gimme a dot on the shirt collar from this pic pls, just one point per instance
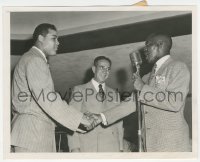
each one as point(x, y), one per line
point(96, 85)
point(42, 53)
point(161, 61)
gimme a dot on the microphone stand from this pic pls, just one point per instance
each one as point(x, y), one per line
point(138, 106)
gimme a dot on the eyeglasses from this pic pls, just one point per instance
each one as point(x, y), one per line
point(104, 68)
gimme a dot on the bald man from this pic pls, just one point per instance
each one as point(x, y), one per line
point(163, 93)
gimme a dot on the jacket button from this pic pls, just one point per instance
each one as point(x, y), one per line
point(146, 112)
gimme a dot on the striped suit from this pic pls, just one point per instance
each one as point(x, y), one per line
point(35, 105)
point(164, 101)
point(165, 126)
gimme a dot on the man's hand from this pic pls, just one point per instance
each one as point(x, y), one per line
point(87, 123)
point(137, 82)
point(96, 117)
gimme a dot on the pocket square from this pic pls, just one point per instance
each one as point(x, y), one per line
point(160, 81)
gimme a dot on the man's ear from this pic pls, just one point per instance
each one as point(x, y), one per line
point(40, 38)
point(93, 69)
point(160, 43)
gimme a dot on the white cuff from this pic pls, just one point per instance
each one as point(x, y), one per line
point(104, 121)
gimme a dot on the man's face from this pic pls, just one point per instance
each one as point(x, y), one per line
point(101, 71)
point(50, 43)
point(151, 51)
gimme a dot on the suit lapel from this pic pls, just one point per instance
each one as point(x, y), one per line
point(163, 66)
point(90, 85)
point(99, 106)
point(36, 52)
point(106, 95)
point(160, 70)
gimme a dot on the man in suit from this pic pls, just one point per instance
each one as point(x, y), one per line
point(163, 93)
point(95, 97)
point(35, 104)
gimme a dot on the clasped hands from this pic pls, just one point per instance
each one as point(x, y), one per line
point(89, 121)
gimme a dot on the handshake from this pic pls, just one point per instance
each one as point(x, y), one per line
point(89, 121)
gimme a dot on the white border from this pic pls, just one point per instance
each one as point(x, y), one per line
point(6, 90)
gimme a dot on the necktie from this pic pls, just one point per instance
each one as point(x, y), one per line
point(101, 93)
point(152, 73)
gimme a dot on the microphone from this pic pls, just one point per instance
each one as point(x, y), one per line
point(136, 60)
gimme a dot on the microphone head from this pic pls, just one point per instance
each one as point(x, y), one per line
point(135, 58)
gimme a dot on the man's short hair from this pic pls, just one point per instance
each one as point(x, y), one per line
point(168, 38)
point(43, 30)
point(101, 58)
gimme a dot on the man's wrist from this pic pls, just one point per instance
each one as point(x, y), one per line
point(104, 121)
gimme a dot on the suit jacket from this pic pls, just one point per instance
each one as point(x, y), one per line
point(164, 99)
point(35, 104)
point(125, 108)
point(100, 139)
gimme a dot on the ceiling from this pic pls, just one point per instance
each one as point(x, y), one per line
point(110, 33)
point(22, 24)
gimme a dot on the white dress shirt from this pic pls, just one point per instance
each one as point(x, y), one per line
point(161, 61)
point(96, 85)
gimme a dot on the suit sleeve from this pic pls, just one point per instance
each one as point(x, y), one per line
point(120, 129)
point(76, 103)
point(42, 91)
point(173, 97)
point(125, 108)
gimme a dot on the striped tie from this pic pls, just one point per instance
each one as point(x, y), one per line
point(101, 93)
